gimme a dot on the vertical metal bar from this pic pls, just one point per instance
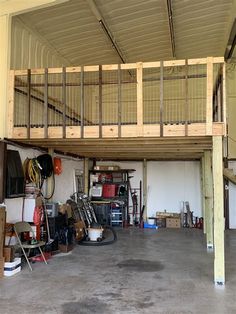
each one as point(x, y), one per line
point(82, 102)
point(64, 102)
point(161, 97)
point(186, 98)
point(119, 101)
point(28, 101)
point(45, 115)
point(100, 101)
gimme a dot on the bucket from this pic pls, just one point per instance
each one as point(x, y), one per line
point(151, 221)
point(95, 234)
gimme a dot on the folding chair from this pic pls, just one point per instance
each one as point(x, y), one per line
point(21, 227)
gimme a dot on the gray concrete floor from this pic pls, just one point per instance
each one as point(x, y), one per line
point(145, 271)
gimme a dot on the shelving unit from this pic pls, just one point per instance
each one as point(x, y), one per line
point(111, 188)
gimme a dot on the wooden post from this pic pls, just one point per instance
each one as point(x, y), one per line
point(186, 98)
point(10, 111)
point(203, 193)
point(64, 102)
point(28, 102)
point(219, 261)
point(82, 102)
point(145, 188)
point(86, 176)
point(45, 118)
point(119, 101)
point(161, 97)
point(224, 112)
point(140, 94)
point(208, 196)
point(100, 101)
point(50, 180)
point(209, 100)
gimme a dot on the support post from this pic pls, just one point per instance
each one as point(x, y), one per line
point(209, 104)
point(208, 196)
point(219, 261)
point(203, 193)
point(161, 97)
point(145, 188)
point(45, 113)
point(86, 176)
point(139, 94)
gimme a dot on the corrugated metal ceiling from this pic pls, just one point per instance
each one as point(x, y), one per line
point(140, 29)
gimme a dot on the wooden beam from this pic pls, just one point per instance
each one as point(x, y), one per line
point(186, 98)
point(209, 99)
point(86, 176)
point(82, 102)
point(10, 109)
point(208, 195)
point(140, 94)
point(100, 102)
point(224, 109)
point(161, 98)
point(28, 102)
point(219, 261)
point(119, 101)
point(64, 102)
point(45, 116)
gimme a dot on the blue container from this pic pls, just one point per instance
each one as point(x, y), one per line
point(146, 225)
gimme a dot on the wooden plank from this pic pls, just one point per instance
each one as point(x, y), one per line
point(110, 67)
point(147, 65)
point(161, 97)
point(19, 133)
point(218, 60)
point(73, 69)
point(82, 101)
point(28, 102)
point(203, 193)
point(91, 131)
point(218, 128)
point(37, 71)
point(119, 101)
point(151, 130)
point(91, 68)
point(139, 94)
point(128, 66)
point(45, 115)
point(20, 72)
point(64, 102)
point(208, 196)
point(219, 261)
point(197, 61)
point(55, 70)
point(10, 107)
point(86, 176)
point(100, 102)
point(197, 129)
point(173, 63)
point(73, 132)
point(173, 130)
point(129, 130)
point(209, 104)
point(109, 131)
point(37, 132)
point(224, 111)
point(186, 113)
point(55, 132)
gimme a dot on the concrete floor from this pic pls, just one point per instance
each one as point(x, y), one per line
point(145, 271)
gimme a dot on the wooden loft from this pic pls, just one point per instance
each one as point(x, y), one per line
point(152, 110)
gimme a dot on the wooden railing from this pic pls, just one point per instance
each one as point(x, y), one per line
point(151, 99)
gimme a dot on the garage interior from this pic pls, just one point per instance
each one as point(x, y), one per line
point(130, 103)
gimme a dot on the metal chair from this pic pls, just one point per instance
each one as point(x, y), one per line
point(21, 227)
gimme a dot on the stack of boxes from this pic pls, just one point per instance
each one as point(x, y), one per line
point(168, 220)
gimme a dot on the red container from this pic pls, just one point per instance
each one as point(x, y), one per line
point(109, 190)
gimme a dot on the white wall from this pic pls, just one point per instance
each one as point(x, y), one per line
point(171, 182)
point(232, 199)
point(168, 183)
point(64, 183)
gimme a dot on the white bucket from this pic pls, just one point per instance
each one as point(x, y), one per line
point(151, 221)
point(95, 233)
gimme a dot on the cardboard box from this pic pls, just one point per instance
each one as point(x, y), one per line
point(172, 222)
point(8, 253)
point(79, 229)
point(65, 248)
point(12, 268)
